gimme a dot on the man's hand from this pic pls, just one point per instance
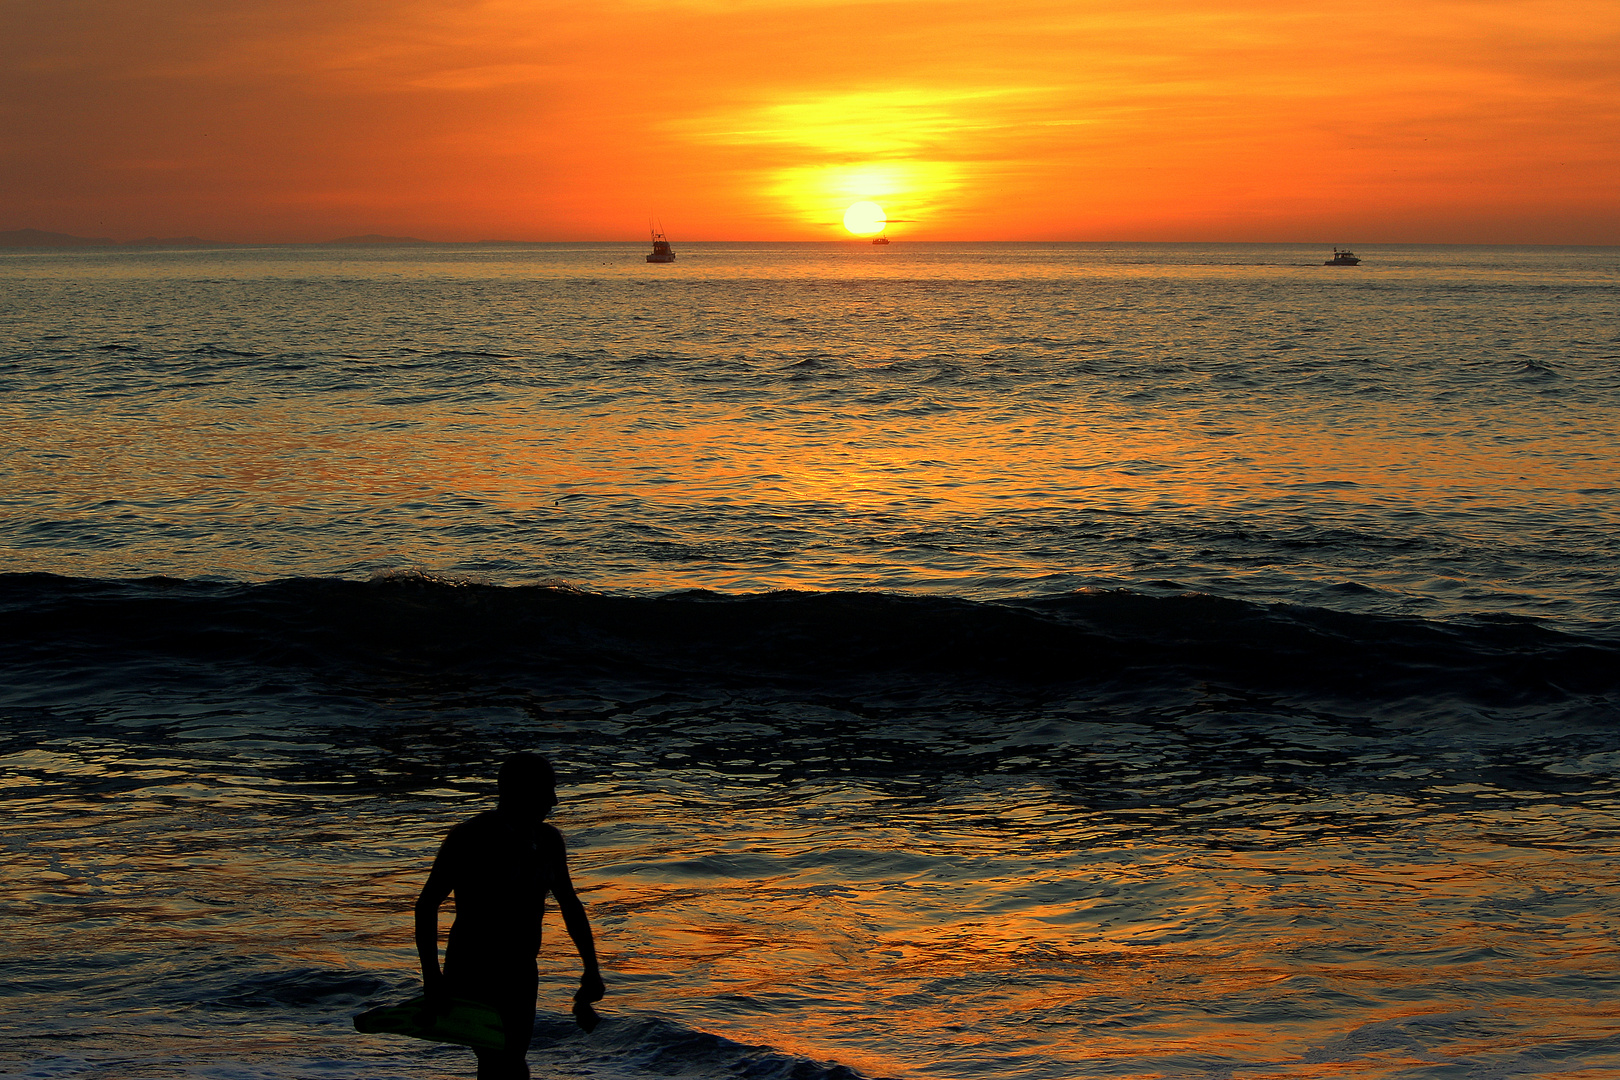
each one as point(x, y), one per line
point(590, 989)
point(585, 1016)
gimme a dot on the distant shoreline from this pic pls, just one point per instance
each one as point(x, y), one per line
point(39, 238)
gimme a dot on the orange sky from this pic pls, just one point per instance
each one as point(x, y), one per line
point(1366, 121)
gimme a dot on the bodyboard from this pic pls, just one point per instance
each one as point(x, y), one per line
point(454, 1020)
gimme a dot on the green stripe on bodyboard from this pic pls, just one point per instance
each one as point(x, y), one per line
point(453, 1020)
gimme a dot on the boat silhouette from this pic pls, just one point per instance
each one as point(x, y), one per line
point(661, 251)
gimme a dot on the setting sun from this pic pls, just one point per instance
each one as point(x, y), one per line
point(864, 218)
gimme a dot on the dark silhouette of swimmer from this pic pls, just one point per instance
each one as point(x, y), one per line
point(501, 865)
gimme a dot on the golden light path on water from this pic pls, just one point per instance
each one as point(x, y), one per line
point(543, 463)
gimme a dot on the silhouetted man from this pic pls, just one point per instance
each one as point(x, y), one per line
point(501, 865)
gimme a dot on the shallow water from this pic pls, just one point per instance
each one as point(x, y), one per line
point(1205, 666)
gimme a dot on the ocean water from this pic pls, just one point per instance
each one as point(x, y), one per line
point(964, 660)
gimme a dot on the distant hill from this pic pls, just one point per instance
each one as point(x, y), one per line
point(174, 241)
point(39, 238)
point(375, 238)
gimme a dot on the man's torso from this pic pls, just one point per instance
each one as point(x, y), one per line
point(500, 876)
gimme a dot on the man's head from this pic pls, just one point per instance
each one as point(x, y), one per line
point(528, 786)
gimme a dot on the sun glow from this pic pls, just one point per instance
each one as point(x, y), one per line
point(813, 198)
point(864, 218)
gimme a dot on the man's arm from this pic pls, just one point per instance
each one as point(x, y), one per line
point(591, 987)
point(427, 922)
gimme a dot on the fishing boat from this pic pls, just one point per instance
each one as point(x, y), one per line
point(661, 251)
point(881, 240)
point(1343, 258)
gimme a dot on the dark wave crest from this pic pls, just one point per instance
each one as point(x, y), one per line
point(653, 1046)
point(55, 630)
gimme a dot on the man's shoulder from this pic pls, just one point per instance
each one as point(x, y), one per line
point(474, 830)
point(488, 827)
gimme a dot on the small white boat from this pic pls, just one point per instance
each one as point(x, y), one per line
point(1343, 258)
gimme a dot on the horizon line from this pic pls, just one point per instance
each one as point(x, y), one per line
point(55, 240)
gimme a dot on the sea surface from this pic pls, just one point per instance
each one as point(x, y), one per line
point(963, 661)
